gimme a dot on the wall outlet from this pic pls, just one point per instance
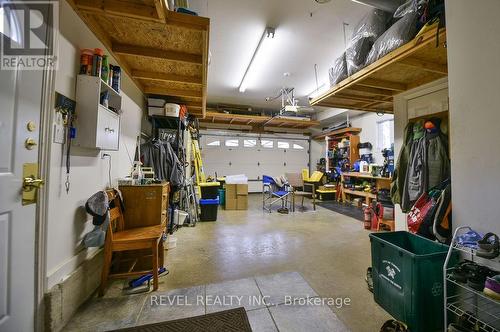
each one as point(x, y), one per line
point(59, 133)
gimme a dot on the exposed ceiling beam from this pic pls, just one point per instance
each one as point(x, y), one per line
point(425, 65)
point(157, 53)
point(119, 8)
point(382, 84)
point(373, 91)
point(187, 21)
point(156, 90)
point(360, 98)
point(164, 77)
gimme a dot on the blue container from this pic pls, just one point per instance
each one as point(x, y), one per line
point(209, 209)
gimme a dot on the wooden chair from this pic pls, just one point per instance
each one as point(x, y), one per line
point(296, 182)
point(119, 239)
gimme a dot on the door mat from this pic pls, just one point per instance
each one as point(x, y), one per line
point(229, 320)
point(347, 210)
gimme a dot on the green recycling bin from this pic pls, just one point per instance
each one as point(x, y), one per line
point(408, 278)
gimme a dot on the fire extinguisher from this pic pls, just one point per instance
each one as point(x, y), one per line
point(368, 217)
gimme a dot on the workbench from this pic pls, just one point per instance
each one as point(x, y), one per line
point(380, 183)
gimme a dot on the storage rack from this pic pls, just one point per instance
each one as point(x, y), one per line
point(467, 300)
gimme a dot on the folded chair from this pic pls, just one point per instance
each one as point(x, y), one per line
point(298, 189)
point(273, 193)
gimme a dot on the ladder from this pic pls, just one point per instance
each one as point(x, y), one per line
point(198, 164)
point(189, 202)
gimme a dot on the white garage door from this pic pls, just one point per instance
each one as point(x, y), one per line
point(253, 156)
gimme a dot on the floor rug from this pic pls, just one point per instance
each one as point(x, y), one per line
point(229, 320)
point(348, 210)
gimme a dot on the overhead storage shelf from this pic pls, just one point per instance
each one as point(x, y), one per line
point(256, 121)
point(372, 88)
point(339, 133)
point(165, 52)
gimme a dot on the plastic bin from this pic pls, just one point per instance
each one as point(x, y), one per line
point(408, 278)
point(209, 190)
point(209, 209)
point(222, 197)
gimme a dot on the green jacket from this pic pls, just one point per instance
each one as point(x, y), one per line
point(399, 176)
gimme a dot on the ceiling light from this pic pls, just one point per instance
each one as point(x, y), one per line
point(264, 42)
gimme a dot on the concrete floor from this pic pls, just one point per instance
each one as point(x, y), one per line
point(329, 250)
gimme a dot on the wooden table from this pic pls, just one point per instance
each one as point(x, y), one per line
point(380, 183)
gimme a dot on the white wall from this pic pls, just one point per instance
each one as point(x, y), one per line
point(473, 31)
point(68, 221)
point(368, 123)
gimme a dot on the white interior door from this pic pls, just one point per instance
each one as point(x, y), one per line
point(20, 95)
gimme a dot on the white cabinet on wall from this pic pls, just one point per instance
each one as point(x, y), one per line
point(97, 126)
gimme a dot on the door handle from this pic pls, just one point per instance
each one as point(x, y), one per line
point(30, 183)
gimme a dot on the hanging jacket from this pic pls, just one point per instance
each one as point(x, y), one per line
point(174, 167)
point(438, 161)
point(153, 155)
point(399, 175)
point(416, 174)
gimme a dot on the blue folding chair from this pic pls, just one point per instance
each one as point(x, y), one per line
point(272, 193)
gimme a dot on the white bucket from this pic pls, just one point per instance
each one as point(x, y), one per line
point(180, 217)
point(171, 242)
point(172, 109)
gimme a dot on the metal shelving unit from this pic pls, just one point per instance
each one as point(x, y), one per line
point(480, 309)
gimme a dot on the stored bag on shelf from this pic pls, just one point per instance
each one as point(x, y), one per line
point(396, 36)
point(364, 35)
point(338, 72)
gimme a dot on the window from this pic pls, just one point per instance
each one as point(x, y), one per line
point(268, 144)
point(249, 143)
point(298, 146)
point(232, 142)
point(385, 133)
point(213, 142)
point(283, 145)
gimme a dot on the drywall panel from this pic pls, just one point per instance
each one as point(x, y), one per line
point(473, 30)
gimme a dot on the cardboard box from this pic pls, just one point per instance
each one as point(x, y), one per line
point(242, 189)
point(230, 191)
point(231, 203)
point(242, 202)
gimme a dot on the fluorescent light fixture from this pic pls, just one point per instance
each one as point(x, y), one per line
point(264, 42)
point(318, 91)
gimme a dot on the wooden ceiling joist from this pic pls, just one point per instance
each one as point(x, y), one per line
point(256, 121)
point(382, 84)
point(425, 65)
point(420, 61)
point(156, 90)
point(155, 76)
point(157, 53)
point(164, 52)
point(118, 8)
